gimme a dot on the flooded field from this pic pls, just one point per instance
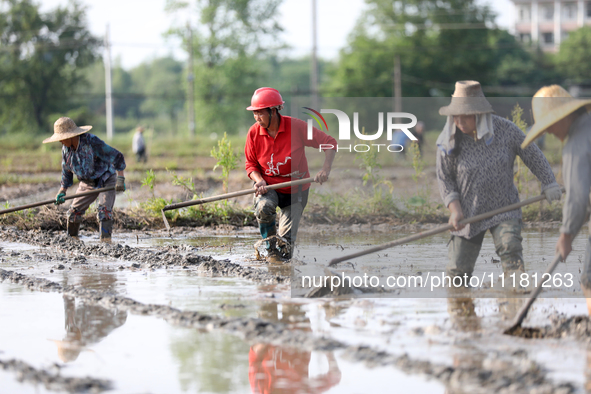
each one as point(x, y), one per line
point(152, 313)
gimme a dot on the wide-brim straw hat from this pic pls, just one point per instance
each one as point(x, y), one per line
point(550, 105)
point(65, 128)
point(468, 99)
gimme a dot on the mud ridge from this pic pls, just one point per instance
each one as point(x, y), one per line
point(26, 373)
point(577, 327)
point(500, 373)
point(181, 256)
point(503, 373)
point(29, 282)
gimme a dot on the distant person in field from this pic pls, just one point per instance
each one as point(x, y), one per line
point(96, 165)
point(275, 153)
point(420, 134)
point(139, 145)
point(399, 137)
point(475, 157)
point(558, 113)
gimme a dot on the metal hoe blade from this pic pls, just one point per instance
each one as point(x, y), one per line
point(523, 311)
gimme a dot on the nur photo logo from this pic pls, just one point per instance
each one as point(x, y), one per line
point(392, 124)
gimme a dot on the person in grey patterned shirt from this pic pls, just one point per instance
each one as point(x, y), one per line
point(475, 176)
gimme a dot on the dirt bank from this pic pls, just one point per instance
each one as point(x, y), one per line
point(53, 380)
point(168, 257)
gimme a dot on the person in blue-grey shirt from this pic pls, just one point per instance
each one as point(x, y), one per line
point(569, 119)
point(96, 165)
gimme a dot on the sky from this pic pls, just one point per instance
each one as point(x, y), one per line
point(137, 26)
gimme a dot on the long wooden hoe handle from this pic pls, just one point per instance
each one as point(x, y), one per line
point(229, 195)
point(46, 202)
point(438, 230)
point(525, 308)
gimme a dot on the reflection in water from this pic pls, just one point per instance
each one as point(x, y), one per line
point(87, 324)
point(588, 371)
point(212, 362)
point(462, 313)
point(277, 370)
point(274, 369)
point(279, 269)
point(510, 307)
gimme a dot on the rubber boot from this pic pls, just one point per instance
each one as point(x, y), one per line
point(73, 229)
point(273, 254)
point(106, 229)
point(267, 230)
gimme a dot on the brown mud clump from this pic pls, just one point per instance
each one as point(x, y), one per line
point(54, 381)
point(167, 257)
point(578, 327)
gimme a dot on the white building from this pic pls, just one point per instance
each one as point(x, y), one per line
point(548, 22)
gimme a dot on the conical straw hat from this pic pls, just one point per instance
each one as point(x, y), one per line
point(65, 128)
point(467, 99)
point(551, 104)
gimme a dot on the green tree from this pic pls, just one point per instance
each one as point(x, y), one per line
point(438, 41)
point(41, 56)
point(161, 81)
point(232, 38)
point(574, 56)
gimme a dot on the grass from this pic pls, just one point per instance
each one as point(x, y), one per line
point(14, 179)
point(22, 155)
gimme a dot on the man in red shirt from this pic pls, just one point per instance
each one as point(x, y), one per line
point(274, 154)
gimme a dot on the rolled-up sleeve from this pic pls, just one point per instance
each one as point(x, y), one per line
point(576, 172)
point(446, 179)
point(533, 158)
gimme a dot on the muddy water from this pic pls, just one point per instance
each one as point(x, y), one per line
point(147, 354)
point(428, 257)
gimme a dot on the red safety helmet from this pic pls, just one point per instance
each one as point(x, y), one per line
point(265, 98)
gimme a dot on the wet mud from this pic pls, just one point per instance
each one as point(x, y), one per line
point(499, 372)
point(576, 327)
point(171, 256)
point(53, 380)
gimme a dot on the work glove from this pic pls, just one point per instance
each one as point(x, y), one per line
point(59, 199)
point(120, 185)
point(553, 193)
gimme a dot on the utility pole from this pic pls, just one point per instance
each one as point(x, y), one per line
point(314, 71)
point(191, 83)
point(397, 85)
point(108, 86)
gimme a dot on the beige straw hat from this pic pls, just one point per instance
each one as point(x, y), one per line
point(68, 351)
point(467, 99)
point(551, 104)
point(65, 128)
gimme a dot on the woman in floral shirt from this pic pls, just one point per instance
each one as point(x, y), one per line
point(96, 165)
point(475, 176)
